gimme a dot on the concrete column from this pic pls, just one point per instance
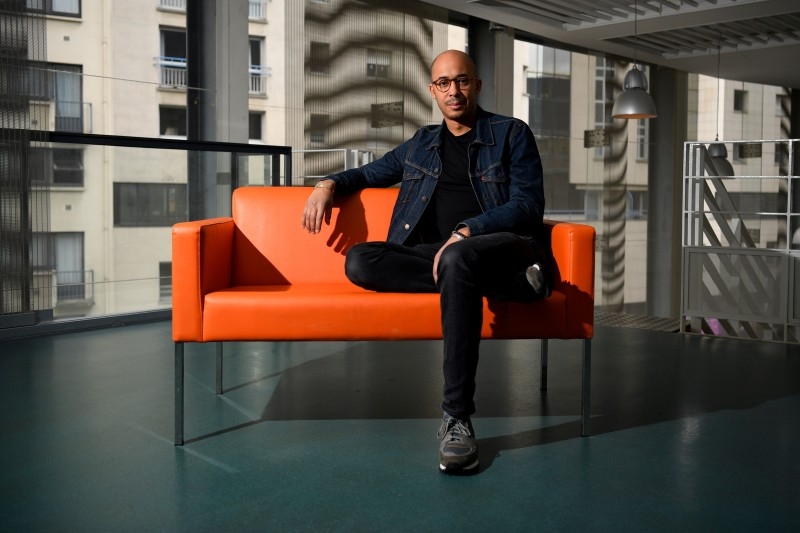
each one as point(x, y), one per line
point(217, 98)
point(492, 48)
point(669, 89)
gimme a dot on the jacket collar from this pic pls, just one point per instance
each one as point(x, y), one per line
point(483, 130)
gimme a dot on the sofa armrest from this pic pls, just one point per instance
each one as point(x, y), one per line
point(201, 263)
point(573, 251)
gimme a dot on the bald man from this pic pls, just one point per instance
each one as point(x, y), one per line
point(467, 224)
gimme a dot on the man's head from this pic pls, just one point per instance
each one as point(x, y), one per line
point(454, 71)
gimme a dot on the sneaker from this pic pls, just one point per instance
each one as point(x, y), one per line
point(537, 280)
point(458, 452)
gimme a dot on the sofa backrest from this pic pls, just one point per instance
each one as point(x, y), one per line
point(270, 246)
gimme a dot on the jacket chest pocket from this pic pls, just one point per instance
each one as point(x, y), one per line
point(409, 187)
point(494, 183)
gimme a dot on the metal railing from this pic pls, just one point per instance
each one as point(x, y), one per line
point(257, 10)
point(74, 285)
point(317, 164)
point(189, 180)
point(741, 243)
point(172, 72)
point(172, 5)
point(258, 79)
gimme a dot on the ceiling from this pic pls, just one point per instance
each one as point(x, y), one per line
point(751, 40)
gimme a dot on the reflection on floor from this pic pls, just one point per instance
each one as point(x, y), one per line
point(689, 434)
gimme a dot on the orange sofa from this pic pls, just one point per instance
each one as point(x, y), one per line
point(258, 276)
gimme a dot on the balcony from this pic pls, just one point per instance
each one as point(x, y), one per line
point(172, 5)
point(258, 79)
point(172, 72)
point(257, 11)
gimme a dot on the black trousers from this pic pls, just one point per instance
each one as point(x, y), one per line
point(486, 265)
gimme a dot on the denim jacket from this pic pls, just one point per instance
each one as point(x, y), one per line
point(504, 167)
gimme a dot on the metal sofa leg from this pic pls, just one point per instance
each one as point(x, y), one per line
point(178, 394)
point(543, 381)
point(219, 368)
point(586, 387)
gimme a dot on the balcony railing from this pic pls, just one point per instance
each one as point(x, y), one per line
point(258, 10)
point(74, 285)
point(172, 5)
point(172, 72)
point(258, 79)
point(73, 117)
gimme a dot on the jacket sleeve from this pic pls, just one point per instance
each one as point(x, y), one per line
point(383, 172)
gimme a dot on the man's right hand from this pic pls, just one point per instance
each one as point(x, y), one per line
point(318, 208)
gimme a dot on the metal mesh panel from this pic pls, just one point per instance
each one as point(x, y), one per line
point(23, 210)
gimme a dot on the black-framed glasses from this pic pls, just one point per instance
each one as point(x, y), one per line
point(462, 82)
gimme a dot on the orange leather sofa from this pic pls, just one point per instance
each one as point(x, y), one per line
point(258, 276)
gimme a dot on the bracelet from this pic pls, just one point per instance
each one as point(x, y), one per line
point(458, 235)
point(323, 185)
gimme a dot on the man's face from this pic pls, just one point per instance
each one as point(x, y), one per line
point(460, 100)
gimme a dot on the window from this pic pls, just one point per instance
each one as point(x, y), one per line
point(149, 204)
point(739, 100)
point(56, 166)
point(319, 123)
point(172, 121)
point(69, 98)
point(63, 253)
point(256, 121)
point(782, 105)
point(641, 139)
point(62, 84)
point(172, 63)
point(378, 63)
point(164, 282)
point(66, 8)
point(257, 66)
point(386, 115)
point(603, 98)
point(320, 57)
point(636, 205)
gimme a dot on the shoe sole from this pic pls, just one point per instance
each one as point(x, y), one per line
point(459, 470)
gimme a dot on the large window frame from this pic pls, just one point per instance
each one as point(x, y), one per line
point(148, 205)
point(60, 167)
point(61, 8)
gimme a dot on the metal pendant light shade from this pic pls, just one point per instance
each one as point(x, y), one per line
point(635, 101)
point(719, 157)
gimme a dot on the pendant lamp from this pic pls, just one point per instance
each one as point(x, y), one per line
point(717, 150)
point(635, 101)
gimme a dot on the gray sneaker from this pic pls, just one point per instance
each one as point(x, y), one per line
point(458, 452)
point(537, 280)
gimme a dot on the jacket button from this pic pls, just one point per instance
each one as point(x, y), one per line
point(424, 198)
point(406, 226)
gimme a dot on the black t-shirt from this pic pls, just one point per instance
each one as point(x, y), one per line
point(454, 200)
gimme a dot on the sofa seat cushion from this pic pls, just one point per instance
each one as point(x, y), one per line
point(342, 311)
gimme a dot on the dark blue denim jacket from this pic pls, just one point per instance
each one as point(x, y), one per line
point(504, 167)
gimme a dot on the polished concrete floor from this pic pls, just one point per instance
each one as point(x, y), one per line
point(689, 434)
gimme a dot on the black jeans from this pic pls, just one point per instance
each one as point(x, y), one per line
point(487, 265)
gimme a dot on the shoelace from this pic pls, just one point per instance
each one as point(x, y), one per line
point(455, 429)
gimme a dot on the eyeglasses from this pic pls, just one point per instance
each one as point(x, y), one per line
point(462, 82)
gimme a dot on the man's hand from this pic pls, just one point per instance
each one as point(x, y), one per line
point(465, 232)
point(318, 208)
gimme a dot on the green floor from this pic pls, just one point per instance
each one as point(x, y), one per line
point(689, 434)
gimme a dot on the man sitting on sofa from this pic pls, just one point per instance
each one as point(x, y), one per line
point(467, 224)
